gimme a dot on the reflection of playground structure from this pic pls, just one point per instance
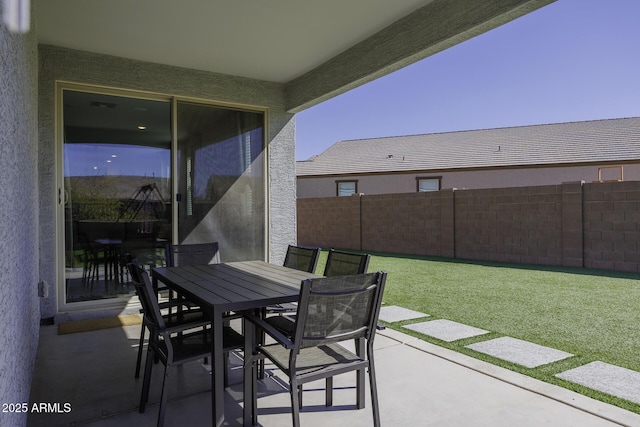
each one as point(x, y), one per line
point(141, 231)
point(146, 200)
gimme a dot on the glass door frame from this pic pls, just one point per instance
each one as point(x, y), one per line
point(61, 304)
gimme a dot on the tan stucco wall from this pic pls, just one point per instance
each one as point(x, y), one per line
point(406, 183)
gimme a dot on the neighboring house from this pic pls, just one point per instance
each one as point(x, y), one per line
point(599, 150)
point(217, 82)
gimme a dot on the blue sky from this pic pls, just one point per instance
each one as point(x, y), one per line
point(570, 61)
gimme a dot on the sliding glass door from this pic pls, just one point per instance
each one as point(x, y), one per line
point(117, 189)
point(221, 186)
point(135, 180)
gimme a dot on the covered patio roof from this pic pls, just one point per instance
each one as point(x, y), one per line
point(317, 49)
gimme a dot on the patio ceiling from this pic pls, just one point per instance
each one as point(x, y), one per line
point(275, 40)
point(318, 48)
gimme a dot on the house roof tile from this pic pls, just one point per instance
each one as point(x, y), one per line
point(561, 143)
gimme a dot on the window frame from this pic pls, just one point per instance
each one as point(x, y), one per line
point(429, 178)
point(346, 181)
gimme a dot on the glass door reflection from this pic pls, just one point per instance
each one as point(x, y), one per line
point(117, 190)
point(221, 182)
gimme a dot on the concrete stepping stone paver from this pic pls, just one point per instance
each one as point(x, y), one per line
point(620, 382)
point(393, 313)
point(521, 352)
point(446, 330)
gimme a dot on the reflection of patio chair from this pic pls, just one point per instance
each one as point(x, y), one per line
point(100, 242)
point(189, 318)
point(330, 310)
point(169, 348)
point(141, 241)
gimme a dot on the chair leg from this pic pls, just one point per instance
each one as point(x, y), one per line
point(296, 402)
point(163, 399)
point(300, 396)
point(140, 346)
point(328, 390)
point(374, 392)
point(360, 375)
point(144, 396)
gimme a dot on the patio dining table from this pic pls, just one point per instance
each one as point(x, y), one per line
point(225, 287)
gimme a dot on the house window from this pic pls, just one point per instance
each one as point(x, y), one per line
point(428, 183)
point(346, 188)
point(610, 174)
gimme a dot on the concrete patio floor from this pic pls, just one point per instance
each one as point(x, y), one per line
point(420, 384)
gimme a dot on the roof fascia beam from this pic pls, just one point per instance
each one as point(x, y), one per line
point(435, 27)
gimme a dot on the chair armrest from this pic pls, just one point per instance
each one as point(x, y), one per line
point(270, 330)
point(232, 315)
point(169, 304)
point(185, 326)
point(176, 303)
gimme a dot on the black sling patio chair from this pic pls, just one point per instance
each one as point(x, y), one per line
point(192, 254)
point(338, 264)
point(330, 310)
point(302, 258)
point(182, 255)
point(190, 317)
point(173, 345)
point(341, 263)
point(299, 258)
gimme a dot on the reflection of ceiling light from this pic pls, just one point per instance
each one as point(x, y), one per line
point(114, 156)
point(142, 127)
point(95, 168)
point(108, 161)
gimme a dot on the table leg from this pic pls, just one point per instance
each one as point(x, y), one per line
point(217, 369)
point(250, 417)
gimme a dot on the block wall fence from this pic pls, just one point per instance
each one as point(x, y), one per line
point(595, 225)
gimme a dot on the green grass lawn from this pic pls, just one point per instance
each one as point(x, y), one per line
point(592, 314)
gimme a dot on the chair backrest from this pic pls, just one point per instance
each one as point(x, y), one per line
point(345, 263)
point(334, 309)
point(133, 266)
point(303, 259)
point(144, 289)
point(192, 254)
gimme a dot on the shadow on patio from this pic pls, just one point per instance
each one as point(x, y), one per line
point(419, 384)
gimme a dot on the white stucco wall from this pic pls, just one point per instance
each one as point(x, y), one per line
point(19, 309)
point(58, 64)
